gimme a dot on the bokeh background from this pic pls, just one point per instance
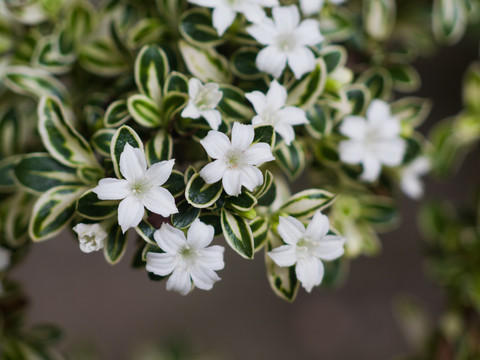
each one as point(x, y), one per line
point(118, 309)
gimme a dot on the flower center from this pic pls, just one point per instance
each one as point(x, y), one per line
point(304, 248)
point(234, 159)
point(139, 188)
point(206, 99)
point(286, 42)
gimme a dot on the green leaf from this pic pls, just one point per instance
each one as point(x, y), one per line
point(471, 88)
point(53, 211)
point(379, 211)
point(101, 57)
point(282, 280)
point(144, 111)
point(39, 172)
point(159, 148)
point(176, 82)
point(379, 18)
point(335, 57)
point(291, 159)
point(411, 110)
point(101, 141)
point(378, 81)
point(79, 22)
point(242, 63)
point(405, 77)
point(61, 140)
point(306, 92)
point(266, 134)
point(320, 121)
point(146, 230)
point(173, 102)
point(359, 97)
point(175, 183)
point(7, 173)
point(304, 204)
point(196, 27)
point(267, 193)
point(122, 136)
point(117, 114)
point(186, 215)
point(233, 104)
point(33, 82)
point(243, 202)
point(237, 233)
point(260, 230)
point(90, 207)
point(146, 31)
point(449, 20)
point(151, 69)
point(338, 25)
point(115, 245)
point(10, 126)
point(205, 64)
point(48, 58)
point(17, 215)
point(200, 194)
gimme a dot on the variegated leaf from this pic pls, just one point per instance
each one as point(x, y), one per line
point(144, 111)
point(151, 69)
point(122, 136)
point(305, 93)
point(304, 204)
point(200, 194)
point(237, 233)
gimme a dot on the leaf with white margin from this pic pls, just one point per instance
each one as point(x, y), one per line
point(305, 93)
point(237, 233)
point(304, 204)
point(122, 136)
point(151, 69)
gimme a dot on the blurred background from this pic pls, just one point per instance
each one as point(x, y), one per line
point(119, 309)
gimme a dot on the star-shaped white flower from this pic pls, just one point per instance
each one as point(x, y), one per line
point(140, 189)
point(410, 182)
point(224, 11)
point(271, 109)
point(287, 41)
point(236, 161)
point(187, 259)
point(4, 259)
point(373, 141)
point(91, 237)
point(305, 248)
point(203, 102)
point(311, 7)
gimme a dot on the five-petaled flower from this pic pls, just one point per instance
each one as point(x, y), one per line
point(305, 248)
point(91, 237)
point(410, 182)
point(373, 141)
point(287, 41)
point(224, 11)
point(188, 259)
point(203, 102)
point(235, 162)
point(140, 189)
point(271, 109)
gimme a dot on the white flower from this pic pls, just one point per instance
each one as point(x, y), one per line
point(410, 177)
point(271, 109)
point(287, 41)
point(187, 259)
point(4, 259)
point(91, 236)
point(224, 11)
point(306, 248)
point(141, 188)
point(236, 161)
point(311, 7)
point(203, 101)
point(373, 141)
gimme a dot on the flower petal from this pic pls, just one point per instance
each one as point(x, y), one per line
point(286, 18)
point(258, 100)
point(216, 144)
point(223, 17)
point(263, 32)
point(170, 239)
point(311, 7)
point(355, 127)
point(212, 257)
point(213, 172)
point(242, 136)
point(206, 3)
point(258, 153)
point(161, 264)
point(276, 96)
point(271, 61)
point(371, 168)
point(159, 201)
point(203, 278)
point(310, 272)
point(112, 189)
point(378, 111)
point(287, 133)
point(213, 117)
point(253, 12)
point(290, 230)
point(190, 111)
point(284, 255)
point(251, 177)
point(130, 213)
point(292, 115)
point(318, 227)
point(391, 151)
point(232, 182)
point(301, 61)
point(159, 172)
point(132, 163)
point(330, 247)
point(308, 33)
point(200, 235)
point(180, 281)
point(352, 151)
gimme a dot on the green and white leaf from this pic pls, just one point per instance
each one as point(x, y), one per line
point(260, 230)
point(146, 230)
point(320, 122)
point(266, 134)
point(379, 18)
point(201, 195)
point(159, 148)
point(242, 63)
point(405, 77)
point(449, 20)
point(90, 207)
point(117, 114)
point(233, 104)
point(115, 245)
point(411, 110)
point(304, 204)
point(196, 27)
point(237, 233)
point(7, 173)
point(334, 56)
point(242, 203)
point(176, 82)
point(175, 183)
point(122, 136)
point(305, 93)
point(291, 159)
point(359, 98)
point(144, 111)
point(151, 69)
point(267, 193)
point(101, 141)
point(186, 215)
point(101, 57)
